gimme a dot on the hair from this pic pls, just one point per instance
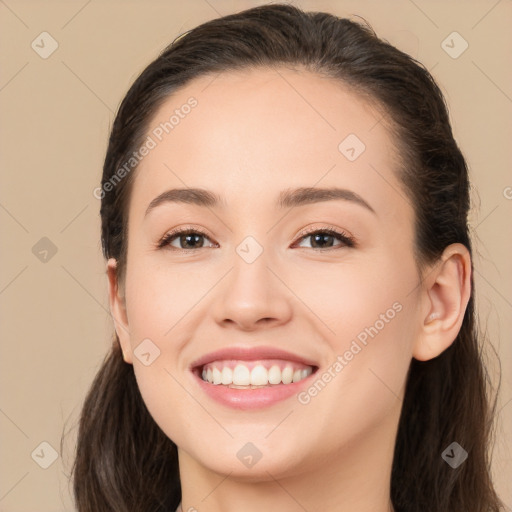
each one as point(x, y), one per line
point(124, 462)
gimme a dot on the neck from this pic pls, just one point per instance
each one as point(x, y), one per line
point(356, 479)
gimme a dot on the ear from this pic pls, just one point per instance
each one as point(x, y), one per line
point(445, 296)
point(118, 310)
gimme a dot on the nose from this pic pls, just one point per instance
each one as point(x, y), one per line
point(252, 296)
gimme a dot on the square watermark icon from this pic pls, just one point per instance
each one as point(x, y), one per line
point(454, 455)
point(44, 45)
point(44, 455)
point(147, 352)
point(351, 147)
point(249, 249)
point(249, 455)
point(454, 45)
point(44, 249)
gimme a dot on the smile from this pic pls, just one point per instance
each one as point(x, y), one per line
point(248, 378)
point(254, 374)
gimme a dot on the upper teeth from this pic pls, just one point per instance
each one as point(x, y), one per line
point(240, 374)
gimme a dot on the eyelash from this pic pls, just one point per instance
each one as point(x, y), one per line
point(347, 240)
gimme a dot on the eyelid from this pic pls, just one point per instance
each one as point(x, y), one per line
point(341, 234)
point(162, 243)
point(347, 239)
point(313, 229)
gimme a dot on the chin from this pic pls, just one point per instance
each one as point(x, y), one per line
point(253, 461)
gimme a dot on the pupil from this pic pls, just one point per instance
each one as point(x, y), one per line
point(187, 237)
point(318, 239)
point(320, 236)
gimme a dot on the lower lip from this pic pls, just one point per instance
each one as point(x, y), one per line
point(251, 398)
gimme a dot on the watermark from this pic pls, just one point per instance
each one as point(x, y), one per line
point(454, 455)
point(44, 45)
point(304, 397)
point(249, 455)
point(249, 249)
point(44, 455)
point(44, 250)
point(157, 135)
point(147, 352)
point(507, 192)
point(454, 45)
point(351, 147)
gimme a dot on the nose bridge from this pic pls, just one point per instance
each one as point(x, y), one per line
point(251, 291)
point(250, 281)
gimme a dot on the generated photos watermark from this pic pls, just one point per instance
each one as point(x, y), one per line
point(342, 360)
point(157, 135)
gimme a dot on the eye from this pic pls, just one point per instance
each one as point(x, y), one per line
point(193, 238)
point(323, 238)
point(187, 239)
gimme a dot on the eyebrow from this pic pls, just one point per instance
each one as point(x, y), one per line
point(288, 198)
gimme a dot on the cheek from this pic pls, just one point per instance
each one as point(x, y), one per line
point(159, 297)
point(373, 315)
point(160, 314)
point(357, 299)
point(359, 394)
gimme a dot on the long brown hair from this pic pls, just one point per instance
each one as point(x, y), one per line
point(124, 462)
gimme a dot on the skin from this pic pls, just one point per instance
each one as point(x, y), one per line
point(251, 136)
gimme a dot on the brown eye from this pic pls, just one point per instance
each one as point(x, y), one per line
point(187, 240)
point(324, 239)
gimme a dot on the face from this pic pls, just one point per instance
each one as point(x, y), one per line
point(319, 290)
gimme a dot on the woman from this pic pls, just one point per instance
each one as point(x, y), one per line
point(284, 218)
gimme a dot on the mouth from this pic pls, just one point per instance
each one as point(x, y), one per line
point(250, 378)
point(237, 374)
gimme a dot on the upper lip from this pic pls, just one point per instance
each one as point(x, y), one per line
point(250, 354)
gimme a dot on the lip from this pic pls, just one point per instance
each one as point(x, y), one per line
point(247, 399)
point(251, 354)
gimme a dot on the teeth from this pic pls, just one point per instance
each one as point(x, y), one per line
point(227, 375)
point(274, 375)
point(259, 376)
point(243, 377)
point(217, 376)
point(287, 375)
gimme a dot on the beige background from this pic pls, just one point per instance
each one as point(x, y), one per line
point(55, 119)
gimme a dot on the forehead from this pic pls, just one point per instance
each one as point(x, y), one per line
point(251, 133)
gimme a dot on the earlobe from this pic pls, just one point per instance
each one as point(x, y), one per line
point(118, 310)
point(446, 295)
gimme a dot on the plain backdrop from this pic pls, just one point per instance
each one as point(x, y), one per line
point(56, 111)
